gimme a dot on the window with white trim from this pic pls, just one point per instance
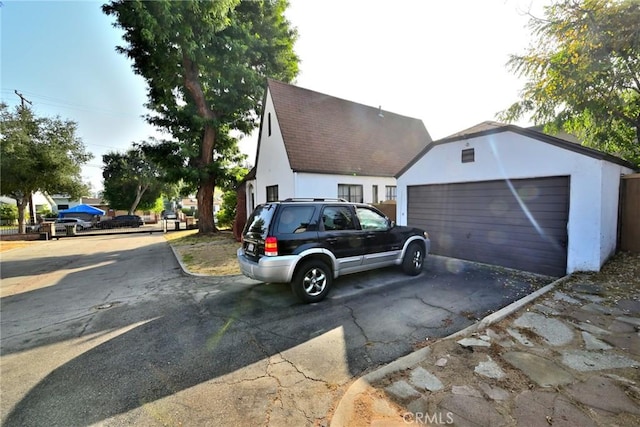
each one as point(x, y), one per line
point(350, 192)
point(390, 192)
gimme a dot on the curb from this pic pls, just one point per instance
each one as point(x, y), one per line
point(342, 414)
point(506, 311)
point(186, 271)
point(183, 267)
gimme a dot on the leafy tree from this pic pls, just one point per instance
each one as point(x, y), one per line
point(44, 212)
point(583, 73)
point(8, 214)
point(131, 181)
point(39, 154)
point(158, 206)
point(205, 63)
point(227, 213)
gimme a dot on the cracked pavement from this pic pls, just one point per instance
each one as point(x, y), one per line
point(107, 330)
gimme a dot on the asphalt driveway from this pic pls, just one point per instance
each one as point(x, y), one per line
point(117, 335)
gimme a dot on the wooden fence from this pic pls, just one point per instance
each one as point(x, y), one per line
point(629, 238)
point(387, 208)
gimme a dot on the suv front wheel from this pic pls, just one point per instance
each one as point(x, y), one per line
point(312, 281)
point(413, 259)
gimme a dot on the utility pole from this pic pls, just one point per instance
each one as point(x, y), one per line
point(32, 209)
point(22, 99)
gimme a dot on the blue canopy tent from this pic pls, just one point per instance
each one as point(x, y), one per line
point(80, 209)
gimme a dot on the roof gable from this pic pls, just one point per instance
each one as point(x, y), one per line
point(324, 134)
point(489, 128)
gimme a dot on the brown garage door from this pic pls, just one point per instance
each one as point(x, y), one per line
point(520, 224)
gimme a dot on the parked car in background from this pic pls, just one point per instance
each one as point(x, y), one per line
point(122, 221)
point(61, 223)
point(80, 223)
point(169, 215)
point(310, 242)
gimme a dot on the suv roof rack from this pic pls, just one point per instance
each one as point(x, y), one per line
point(316, 199)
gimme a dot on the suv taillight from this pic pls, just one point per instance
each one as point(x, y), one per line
point(271, 246)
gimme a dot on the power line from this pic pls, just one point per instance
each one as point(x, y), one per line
point(60, 103)
point(23, 99)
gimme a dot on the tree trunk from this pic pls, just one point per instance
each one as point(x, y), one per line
point(206, 223)
point(207, 182)
point(139, 192)
point(205, 208)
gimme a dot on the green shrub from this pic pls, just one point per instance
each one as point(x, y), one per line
point(227, 212)
point(8, 213)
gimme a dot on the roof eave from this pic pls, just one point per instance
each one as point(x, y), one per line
point(590, 152)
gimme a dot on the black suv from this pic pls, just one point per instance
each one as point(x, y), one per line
point(310, 242)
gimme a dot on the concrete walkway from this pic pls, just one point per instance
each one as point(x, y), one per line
point(568, 355)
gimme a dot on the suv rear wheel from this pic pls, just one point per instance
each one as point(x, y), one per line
point(413, 260)
point(312, 281)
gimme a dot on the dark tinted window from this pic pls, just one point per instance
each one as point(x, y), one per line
point(258, 222)
point(272, 193)
point(338, 218)
point(295, 219)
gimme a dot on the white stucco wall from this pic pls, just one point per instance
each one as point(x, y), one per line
point(273, 167)
point(322, 185)
point(610, 209)
point(594, 184)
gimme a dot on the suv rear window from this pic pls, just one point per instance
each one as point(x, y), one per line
point(295, 219)
point(258, 222)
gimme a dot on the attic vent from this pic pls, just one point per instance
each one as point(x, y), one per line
point(269, 123)
point(468, 155)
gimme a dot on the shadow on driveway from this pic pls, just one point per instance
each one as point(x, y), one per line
point(190, 342)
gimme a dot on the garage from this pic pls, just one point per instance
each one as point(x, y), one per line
point(520, 224)
point(514, 197)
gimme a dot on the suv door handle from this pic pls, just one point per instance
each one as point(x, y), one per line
point(332, 240)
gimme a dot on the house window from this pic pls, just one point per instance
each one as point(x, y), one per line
point(374, 191)
point(468, 155)
point(63, 207)
point(351, 193)
point(269, 123)
point(272, 193)
point(390, 193)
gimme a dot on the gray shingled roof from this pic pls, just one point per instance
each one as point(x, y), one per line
point(480, 127)
point(324, 134)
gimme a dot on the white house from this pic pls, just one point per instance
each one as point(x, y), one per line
point(315, 145)
point(515, 197)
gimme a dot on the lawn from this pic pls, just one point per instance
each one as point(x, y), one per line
point(213, 254)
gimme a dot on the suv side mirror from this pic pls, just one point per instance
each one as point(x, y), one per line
point(391, 223)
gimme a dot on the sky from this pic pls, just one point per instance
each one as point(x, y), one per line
point(443, 62)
